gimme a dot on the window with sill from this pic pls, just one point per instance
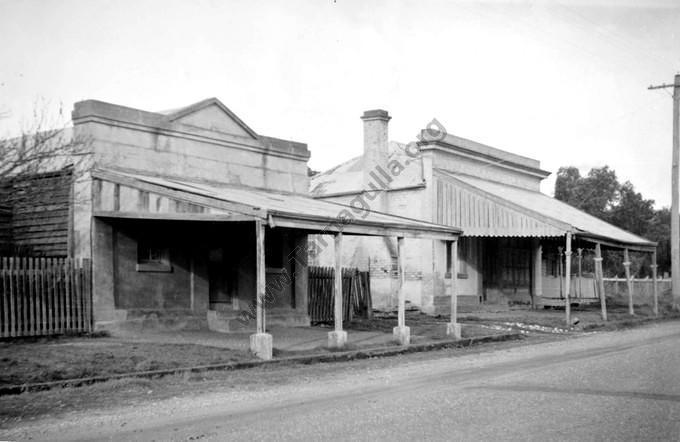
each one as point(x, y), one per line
point(152, 258)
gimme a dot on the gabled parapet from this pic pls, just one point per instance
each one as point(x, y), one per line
point(204, 140)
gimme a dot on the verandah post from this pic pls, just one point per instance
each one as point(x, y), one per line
point(338, 337)
point(453, 327)
point(567, 280)
point(599, 275)
point(261, 342)
point(537, 289)
point(629, 281)
point(579, 251)
point(654, 284)
point(401, 332)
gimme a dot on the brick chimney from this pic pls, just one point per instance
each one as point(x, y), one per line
point(375, 145)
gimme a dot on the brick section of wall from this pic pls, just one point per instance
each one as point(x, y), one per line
point(385, 269)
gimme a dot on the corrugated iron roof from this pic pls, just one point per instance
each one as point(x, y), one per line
point(554, 212)
point(287, 208)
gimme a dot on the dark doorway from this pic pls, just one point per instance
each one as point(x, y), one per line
point(221, 278)
point(507, 267)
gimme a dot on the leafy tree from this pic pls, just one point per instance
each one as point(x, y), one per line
point(595, 193)
point(567, 185)
point(600, 194)
point(633, 212)
point(660, 231)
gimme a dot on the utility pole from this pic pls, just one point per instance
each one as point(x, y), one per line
point(675, 181)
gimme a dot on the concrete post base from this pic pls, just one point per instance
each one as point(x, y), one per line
point(453, 329)
point(402, 335)
point(337, 339)
point(261, 344)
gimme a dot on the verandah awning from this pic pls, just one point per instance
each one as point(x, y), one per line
point(489, 209)
point(119, 194)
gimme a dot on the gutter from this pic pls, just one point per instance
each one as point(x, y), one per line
point(419, 186)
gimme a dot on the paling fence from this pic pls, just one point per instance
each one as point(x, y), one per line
point(643, 289)
point(356, 289)
point(45, 296)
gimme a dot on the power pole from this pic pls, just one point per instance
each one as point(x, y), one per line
point(675, 200)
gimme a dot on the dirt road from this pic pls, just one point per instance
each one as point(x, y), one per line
point(623, 385)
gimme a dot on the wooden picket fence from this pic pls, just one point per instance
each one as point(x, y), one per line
point(45, 296)
point(356, 288)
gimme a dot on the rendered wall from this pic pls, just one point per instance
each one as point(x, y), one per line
point(125, 292)
point(142, 141)
point(206, 145)
point(453, 162)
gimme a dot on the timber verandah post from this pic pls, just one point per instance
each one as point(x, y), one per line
point(629, 281)
point(537, 288)
point(453, 327)
point(338, 337)
point(567, 279)
point(654, 284)
point(401, 332)
point(261, 342)
point(599, 276)
point(579, 251)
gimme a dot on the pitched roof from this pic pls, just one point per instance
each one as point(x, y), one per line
point(348, 177)
point(557, 215)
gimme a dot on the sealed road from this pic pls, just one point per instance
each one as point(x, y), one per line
point(611, 386)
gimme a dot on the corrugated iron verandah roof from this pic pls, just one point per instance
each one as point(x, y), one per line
point(487, 208)
point(236, 203)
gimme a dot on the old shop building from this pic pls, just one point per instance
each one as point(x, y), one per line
point(515, 238)
point(192, 219)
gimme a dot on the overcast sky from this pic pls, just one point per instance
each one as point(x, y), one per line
point(562, 82)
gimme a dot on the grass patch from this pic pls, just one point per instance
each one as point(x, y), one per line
point(71, 358)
